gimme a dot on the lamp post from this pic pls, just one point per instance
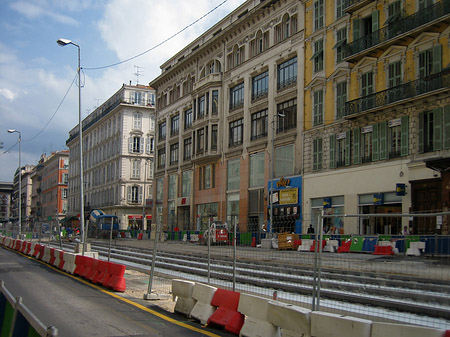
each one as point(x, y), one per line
point(65, 42)
point(20, 180)
point(272, 167)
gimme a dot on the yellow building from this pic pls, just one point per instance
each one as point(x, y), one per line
point(377, 112)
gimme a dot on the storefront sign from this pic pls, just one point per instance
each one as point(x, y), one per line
point(378, 199)
point(135, 217)
point(289, 196)
point(400, 189)
point(326, 202)
point(283, 182)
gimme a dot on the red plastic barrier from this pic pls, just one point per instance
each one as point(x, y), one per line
point(447, 333)
point(345, 247)
point(140, 235)
point(226, 315)
point(92, 271)
point(61, 260)
point(37, 249)
point(23, 248)
point(101, 272)
point(18, 245)
point(41, 252)
point(297, 243)
point(52, 256)
point(117, 281)
point(28, 249)
point(80, 263)
point(313, 247)
point(88, 262)
point(383, 250)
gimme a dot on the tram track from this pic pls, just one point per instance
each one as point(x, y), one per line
point(396, 292)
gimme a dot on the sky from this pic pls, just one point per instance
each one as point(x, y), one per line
point(38, 86)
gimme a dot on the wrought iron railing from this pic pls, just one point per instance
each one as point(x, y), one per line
point(259, 94)
point(398, 27)
point(408, 90)
point(287, 82)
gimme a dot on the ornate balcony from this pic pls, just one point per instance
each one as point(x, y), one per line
point(410, 25)
point(413, 89)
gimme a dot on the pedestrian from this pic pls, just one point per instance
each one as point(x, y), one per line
point(310, 229)
point(405, 230)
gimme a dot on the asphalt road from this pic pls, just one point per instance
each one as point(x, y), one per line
point(79, 309)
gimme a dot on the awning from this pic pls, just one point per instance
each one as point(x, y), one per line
point(69, 218)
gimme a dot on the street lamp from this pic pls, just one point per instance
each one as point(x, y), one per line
point(62, 43)
point(20, 181)
point(272, 168)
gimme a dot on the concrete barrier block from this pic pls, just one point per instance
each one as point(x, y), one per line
point(305, 246)
point(293, 320)
point(182, 291)
point(324, 324)
point(400, 330)
point(47, 254)
point(57, 258)
point(69, 262)
point(203, 295)
point(33, 246)
point(257, 319)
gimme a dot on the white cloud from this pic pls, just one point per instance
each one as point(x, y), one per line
point(33, 11)
point(8, 94)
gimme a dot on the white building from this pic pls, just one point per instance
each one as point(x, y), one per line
point(118, 146)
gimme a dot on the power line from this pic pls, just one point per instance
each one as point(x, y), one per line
point(159, 44)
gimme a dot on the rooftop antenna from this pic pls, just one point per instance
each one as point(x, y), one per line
point(137, 73)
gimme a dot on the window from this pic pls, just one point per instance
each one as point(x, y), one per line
point(260, 85)
point(284, 161)
point(65, 178)
point(186, 182)
point(287, 73)
point(136, 144)
point(150, 142)
point(64, 193)
point(259, 124)
point(340, 149)
point(201, 106)
point(366, 90)
point(138, 97)
point(187, 153)
point(236, 57)
point(318, 56)
point(318, 14)
point(236, 132)
point(233, 174)
point(366, 143)
point(340, 5)
point(395, 133)
point(287, 115)
point(341, 98)
point(187, 119)
point(200, 140)
point(214, 135)
point(174, 125)
point(136, 169)
point(424, 4)
point(172, 190)
point(134, 194)
point(162, 131)
point(430, 61)
point(318, 107)
point(259, 44)
point(173, 153)
point(207, 177)
point(394, 12)
point(159, 189)
point(434, 130)
point(317, 154)
point(137, 121)
point(215, 102)
point(161, 158)
point(257, 164)
point(395, 74)
point(341, 40)
point(237, 96)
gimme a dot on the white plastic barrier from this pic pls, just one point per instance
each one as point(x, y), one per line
point(69, 262)
point(57, 258)
point(256, 322)
point(306, 245)
point(400, 330)
point(33, 246)
point(415, 248)
point(331, 246)
point(182, 291)
point(294, 321)
point(47, 256)
point(324, 324)
point(203, 295)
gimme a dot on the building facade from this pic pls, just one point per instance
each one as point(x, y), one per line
point(6, 190)
point(25, 195)
point(118, 147)
point(230, 121)
point(377, 113)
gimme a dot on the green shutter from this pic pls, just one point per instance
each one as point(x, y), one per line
point(382, 131)
point(332, 147)
point(421, 132)
point(356, 29)
point(405, 136)
point(347, 148)
point(375, 143)
point(319, 154)
point(446, 127)
point(437, 58)
point(315, 153)
point(437, 129)
point(375, 25)
point(356, 146)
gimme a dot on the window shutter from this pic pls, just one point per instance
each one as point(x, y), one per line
point(347, 148)
point(356, 146)
point(446, 127)
point(141, 145)
point(437, 129)
point(147, 145)
point(421, 132)
point(375, 25)
point(332, 150)
point(319, 154)
point(129, 193)
point(375, 143)
point(130, 144)
point(356, 29)
point(405, 136)
point(140, 194)
point(437, 58)
point(382, 131)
